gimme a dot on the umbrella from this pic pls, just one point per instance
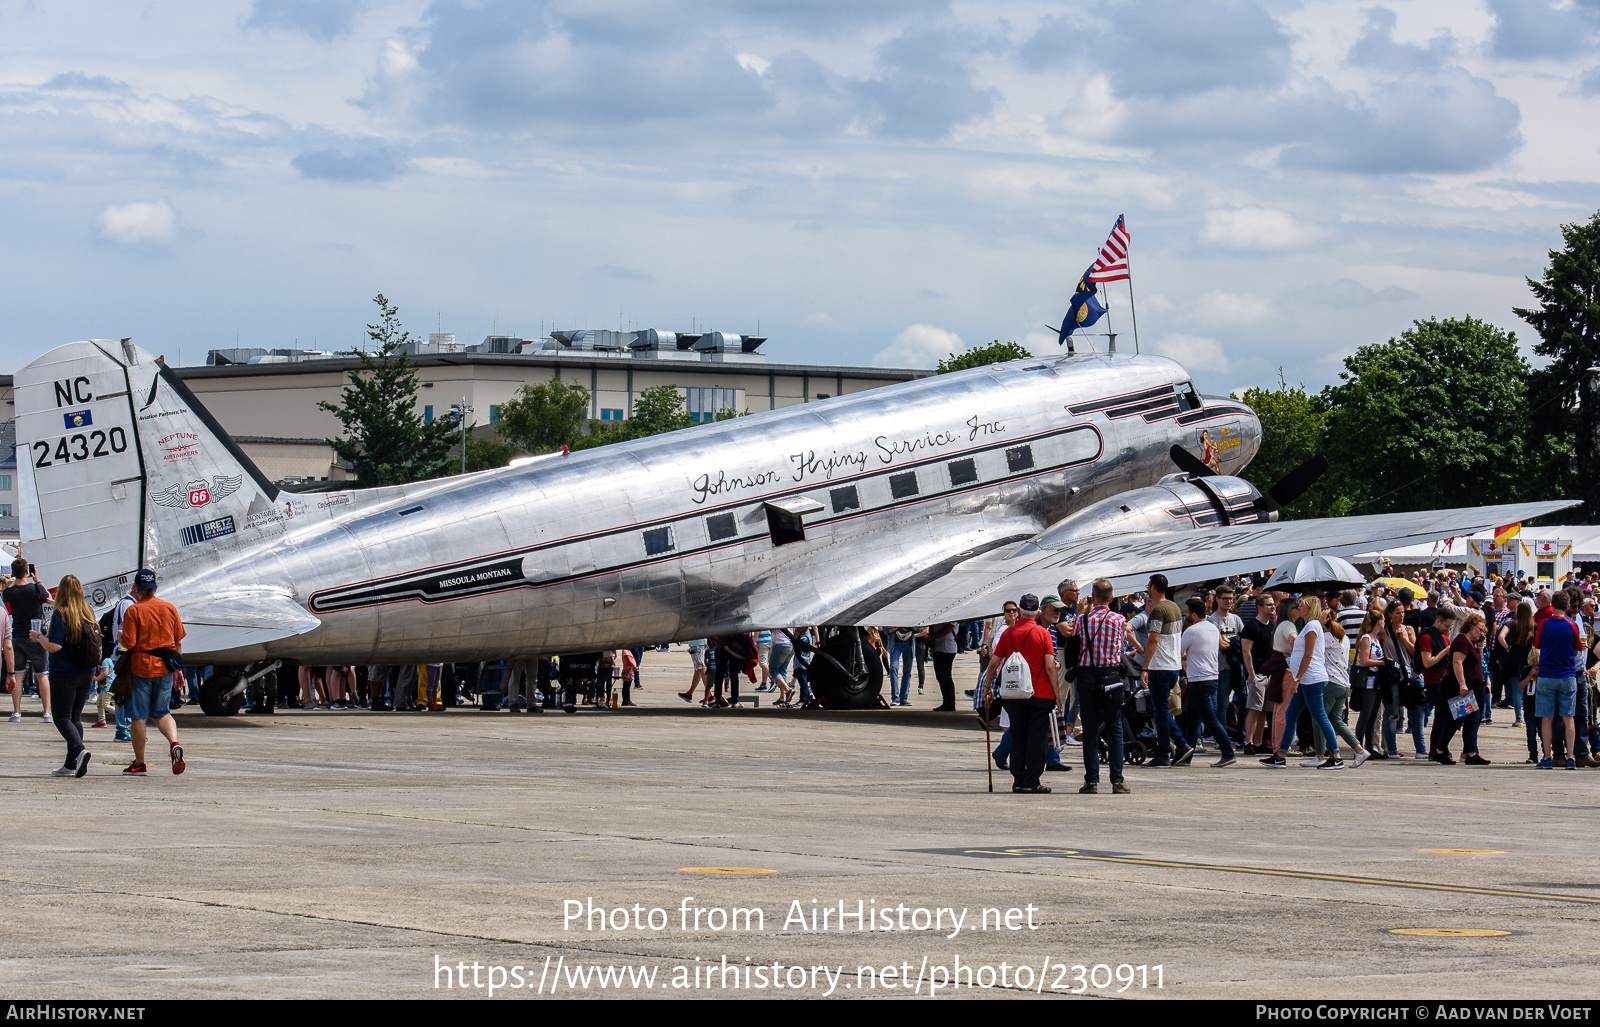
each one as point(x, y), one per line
point(1310, 572)
point(1398, 583)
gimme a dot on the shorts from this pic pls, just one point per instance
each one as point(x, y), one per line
point(1256, 692)
point(697, 653)
point(150, 697)
point(1555, 697)
point(763, 653)
point(26, 652)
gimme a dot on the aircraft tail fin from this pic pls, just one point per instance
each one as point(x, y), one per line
point(120, 466)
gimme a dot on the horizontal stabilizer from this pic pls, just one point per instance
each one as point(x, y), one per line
point(234, 620)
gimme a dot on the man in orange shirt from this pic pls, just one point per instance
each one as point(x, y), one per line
point(151, 633)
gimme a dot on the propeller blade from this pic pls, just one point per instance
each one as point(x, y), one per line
point(1294, 484)
point(1187, 461)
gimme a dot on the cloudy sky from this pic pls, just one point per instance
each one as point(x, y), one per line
point(870, 181)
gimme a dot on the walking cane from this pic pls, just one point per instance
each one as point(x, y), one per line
point(987, 762)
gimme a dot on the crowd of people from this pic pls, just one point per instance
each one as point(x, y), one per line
point(1329, 679)
point(1282, 676)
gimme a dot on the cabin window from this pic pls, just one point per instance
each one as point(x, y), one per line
point(1188, 399)
point(903, 486)
point(845, 499)
point(1019, 459)
point(721, 526)
point(658, 541)
point(963, 472)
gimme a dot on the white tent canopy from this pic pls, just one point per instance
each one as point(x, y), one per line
point(1585, 545)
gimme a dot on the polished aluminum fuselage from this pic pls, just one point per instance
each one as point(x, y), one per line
point(667, 538)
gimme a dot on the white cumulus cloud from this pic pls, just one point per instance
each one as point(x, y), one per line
point(1256, 228)
point(149, 221)
point(1195, 352)
point(919, 345)
point(1231, 308)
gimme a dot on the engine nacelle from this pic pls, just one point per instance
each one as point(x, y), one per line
point(1176, 503)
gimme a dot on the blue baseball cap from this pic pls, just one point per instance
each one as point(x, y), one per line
point(146, 579)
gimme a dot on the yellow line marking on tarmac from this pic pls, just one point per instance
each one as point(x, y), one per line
point(1449, 932)
point(1466, 852)
point(725, 870)
point(1303, 874)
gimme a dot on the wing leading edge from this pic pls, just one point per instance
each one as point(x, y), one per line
point(977, 587)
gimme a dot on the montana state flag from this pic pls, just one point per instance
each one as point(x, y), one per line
point(1507, 533)
point(1084, 310)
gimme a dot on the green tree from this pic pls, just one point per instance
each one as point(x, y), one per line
point(483, 454)
point(994, 353)
point(1293, 429)
point(386, 442)
point(658, 409)
point(1564, 412)
point(544, 417)
point(1431, 419)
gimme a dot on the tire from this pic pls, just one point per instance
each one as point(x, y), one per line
point(853, 678)
point(214, 700)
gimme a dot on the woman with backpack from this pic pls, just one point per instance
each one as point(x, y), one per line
point(1516, 638)
point(74, 648)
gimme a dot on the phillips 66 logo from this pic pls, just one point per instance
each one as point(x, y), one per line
point(198, 493)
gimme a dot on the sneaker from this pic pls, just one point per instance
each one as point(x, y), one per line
point(763, 688)
point(1313, 762)
point(1120, 788)
point(1275, 761)
point(687, 696)
point(98, 723)
point(1361, 757)
point(1184, 752)
point(1000, 764)
point(1571, 763)
point(177, 759)
point(1476, 760)
point(337, 706)
point(1544, 764)
point(83, 764)
point(1226, 762)
point(62, 772)
point(1070, 740)
point(135, 769)
point(1444, 760)
point(1057, 766)
point(1397, 756)
point(1090, 788)
point(1422, 755)
point(121, 736)
point(16, 718)
point(1331, 763)
point(1160, 765)
point(1517, 723)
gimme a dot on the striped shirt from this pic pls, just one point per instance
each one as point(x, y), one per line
point(1102, 632)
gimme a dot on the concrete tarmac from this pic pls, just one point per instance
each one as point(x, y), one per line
point(354, 854)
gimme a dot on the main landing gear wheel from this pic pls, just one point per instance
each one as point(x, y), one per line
point(846, 673)
point(220, 695)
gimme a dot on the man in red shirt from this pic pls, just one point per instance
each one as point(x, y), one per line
point(1030, 724)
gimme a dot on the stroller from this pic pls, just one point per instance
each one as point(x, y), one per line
point(1138, 722)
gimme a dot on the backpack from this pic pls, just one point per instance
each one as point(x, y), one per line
point(1016, 678)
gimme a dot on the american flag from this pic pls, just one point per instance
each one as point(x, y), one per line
point(1112, 263)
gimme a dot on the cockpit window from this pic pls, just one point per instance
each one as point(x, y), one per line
point(1188, 399)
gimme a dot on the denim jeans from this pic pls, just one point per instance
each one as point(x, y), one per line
point(1309, 696)
point(1202, 707)
point(1392, 720)
point(901, 655)
point(1161, 685)
point(1090, 679)
point(1334, 698)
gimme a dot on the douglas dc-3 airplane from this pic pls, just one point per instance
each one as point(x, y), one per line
point(916, 503)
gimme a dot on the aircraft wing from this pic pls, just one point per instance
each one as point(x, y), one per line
point(233, 620)
point(978, 587)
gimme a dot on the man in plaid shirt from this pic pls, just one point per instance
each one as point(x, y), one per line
point(1100, 664)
